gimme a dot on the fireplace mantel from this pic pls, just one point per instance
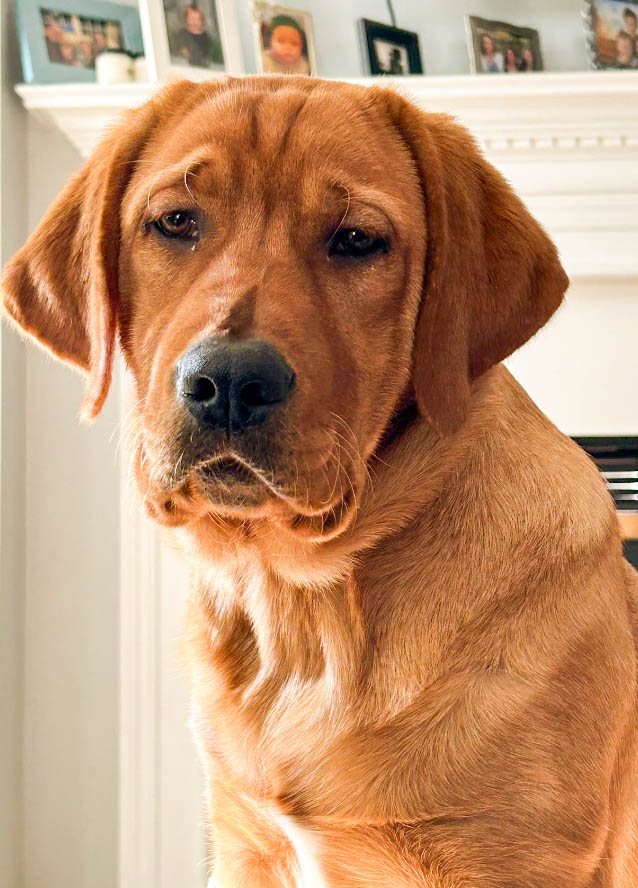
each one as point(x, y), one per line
point(568, 142)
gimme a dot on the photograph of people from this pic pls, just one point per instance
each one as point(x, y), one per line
point(615, 26)
point(287, 52)
point(630, 20)
point(511, 62)
point(626, 51)
point(193, 33)
point(501, 47)
point(391, 59)
point(527, 60)
point(284, 40)
point(491, 60)
point(74, 40)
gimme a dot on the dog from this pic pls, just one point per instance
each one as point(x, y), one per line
point(412, 633)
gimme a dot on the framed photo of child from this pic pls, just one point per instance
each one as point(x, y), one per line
point(612, 30)
point(284, 40)
point(196, 39)
point(501, 48)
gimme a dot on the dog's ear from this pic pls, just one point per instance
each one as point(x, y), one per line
point(492, 275)
point(62, 287)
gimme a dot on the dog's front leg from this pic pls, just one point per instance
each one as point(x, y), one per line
point(250, 870)
point(252, 856)
point(249, 849)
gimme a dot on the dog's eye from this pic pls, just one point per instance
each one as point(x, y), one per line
point(179, 223)
point(356, 243)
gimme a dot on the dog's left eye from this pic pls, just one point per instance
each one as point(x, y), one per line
point(179, 223)
point(356, 243)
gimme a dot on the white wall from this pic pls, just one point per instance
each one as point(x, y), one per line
point(71, 605)
point(440, 27)
point(581, 368)
point(12, 230)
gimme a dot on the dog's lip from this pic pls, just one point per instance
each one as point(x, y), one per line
point(225, 465)
point(231, 466)
point(328, 524)
point(189, 503)
point(314, 524)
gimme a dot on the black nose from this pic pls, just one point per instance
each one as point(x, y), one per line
point(232, 384)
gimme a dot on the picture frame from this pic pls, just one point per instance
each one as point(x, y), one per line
point(296, 43)
point(496, 47)
point(193, 39)
point(387, 50)
point(611, 29)
point(59, 38)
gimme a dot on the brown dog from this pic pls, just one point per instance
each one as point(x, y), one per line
point(411, 632)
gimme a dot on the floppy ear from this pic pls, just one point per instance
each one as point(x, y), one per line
point(62, 287)
point(492, 275)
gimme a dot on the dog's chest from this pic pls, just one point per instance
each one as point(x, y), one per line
point(306, 848)
point(267, 672)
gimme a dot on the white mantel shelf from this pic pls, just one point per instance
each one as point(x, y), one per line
point(568, 142)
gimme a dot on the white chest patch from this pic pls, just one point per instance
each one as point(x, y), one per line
point(305, 846)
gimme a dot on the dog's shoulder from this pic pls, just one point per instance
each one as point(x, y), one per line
point(533, 471)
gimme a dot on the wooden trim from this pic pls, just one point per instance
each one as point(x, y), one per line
point(628, 525)
point(139, 691)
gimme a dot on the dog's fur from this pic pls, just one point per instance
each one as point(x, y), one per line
point(411, 634)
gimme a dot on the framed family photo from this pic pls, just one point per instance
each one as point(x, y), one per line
point(284, 40)
point(389, 50)
point(190, 38)
point(501, 48)
point(60, 39)
point(612, 30)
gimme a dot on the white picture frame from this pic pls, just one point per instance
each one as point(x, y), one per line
point(262, 12)
point(162, 65)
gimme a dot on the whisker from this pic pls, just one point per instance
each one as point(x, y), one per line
point(347, 209)
point(187, 172)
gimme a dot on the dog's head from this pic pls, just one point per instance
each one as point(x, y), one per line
point(288, 263)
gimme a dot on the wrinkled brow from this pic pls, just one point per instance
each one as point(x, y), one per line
point(159, 176)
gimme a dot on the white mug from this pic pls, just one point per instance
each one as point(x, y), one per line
point(113, 66)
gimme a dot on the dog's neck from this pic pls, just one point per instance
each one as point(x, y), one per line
point(269, 573)
point(302, 602)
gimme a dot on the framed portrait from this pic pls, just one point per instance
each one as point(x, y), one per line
point(59, 39)
point(196, 39)
point(284, 40)
point(612, 33)
point(501, 48)
point(389, 50)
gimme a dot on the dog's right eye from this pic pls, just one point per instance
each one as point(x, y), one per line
point(178, 224)
point(357, 244)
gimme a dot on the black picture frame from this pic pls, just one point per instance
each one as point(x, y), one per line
point(375, 33)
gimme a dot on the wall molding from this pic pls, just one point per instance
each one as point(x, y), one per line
point(585, 111)
point(139, 753)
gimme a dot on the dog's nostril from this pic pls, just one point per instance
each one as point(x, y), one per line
point(252, 394)
point(202, 389)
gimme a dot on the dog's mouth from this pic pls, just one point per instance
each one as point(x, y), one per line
point(316, 506)
point(231, 476)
